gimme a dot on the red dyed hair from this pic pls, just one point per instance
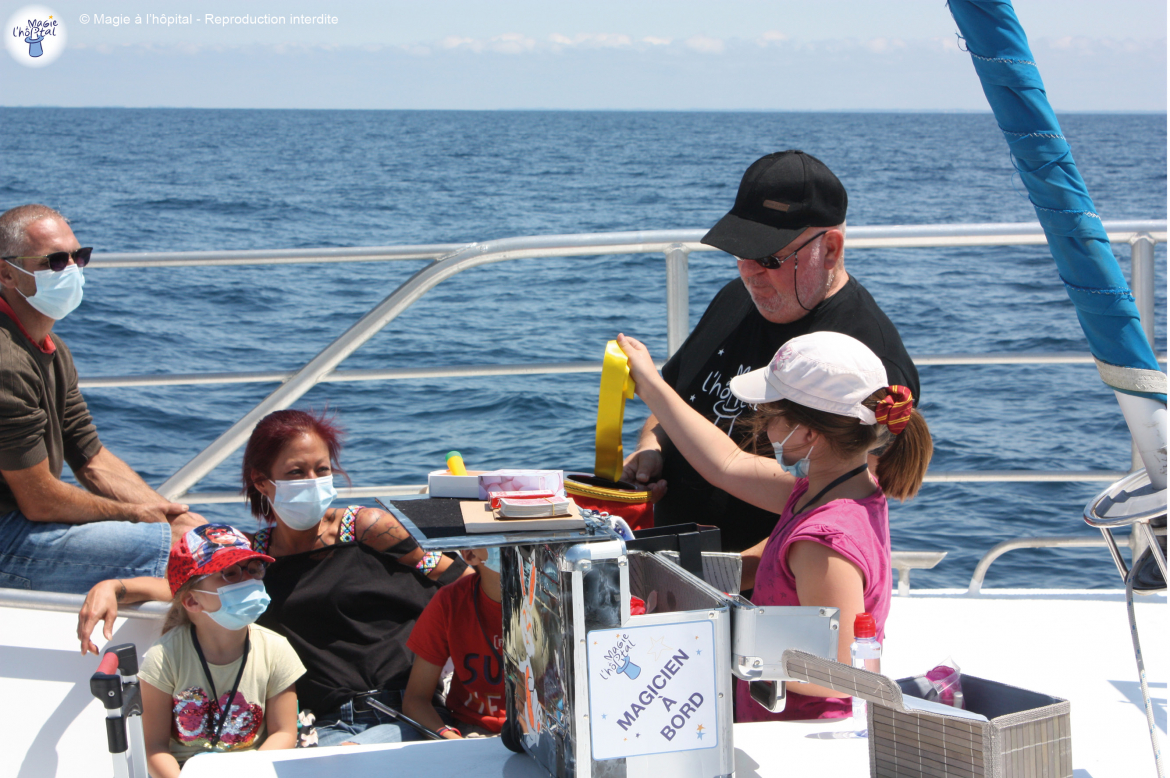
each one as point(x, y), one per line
point(270, 437)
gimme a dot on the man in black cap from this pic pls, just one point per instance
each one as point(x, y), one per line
point(787, 232)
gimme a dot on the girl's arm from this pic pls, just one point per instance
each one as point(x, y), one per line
point(420, 690)
point(156, 731)
point(281, 713)
point(757, 480)
point(101, 604)
point(751, 563)
point(825, 578)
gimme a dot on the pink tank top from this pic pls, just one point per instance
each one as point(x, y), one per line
point(858, 530)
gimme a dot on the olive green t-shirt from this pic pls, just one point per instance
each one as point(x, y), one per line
point(42, 412)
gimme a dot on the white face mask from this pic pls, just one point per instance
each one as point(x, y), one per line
point(302, 504)
point(58, 291)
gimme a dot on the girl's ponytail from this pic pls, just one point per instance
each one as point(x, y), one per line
point(902, 466)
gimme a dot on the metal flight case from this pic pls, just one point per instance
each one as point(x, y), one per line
point(595, 691)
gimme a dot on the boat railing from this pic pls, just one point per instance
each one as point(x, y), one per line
point(448, 259)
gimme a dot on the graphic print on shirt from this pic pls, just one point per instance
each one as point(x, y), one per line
point(477, 665)
point(190, 722)
point(726, 408)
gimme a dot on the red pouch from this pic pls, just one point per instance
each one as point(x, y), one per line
point(617, 498)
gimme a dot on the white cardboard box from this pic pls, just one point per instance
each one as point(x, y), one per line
point(441, 483)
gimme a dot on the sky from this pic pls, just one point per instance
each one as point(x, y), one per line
point(555, 54)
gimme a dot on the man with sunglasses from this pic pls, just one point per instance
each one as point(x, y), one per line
point(787, 233)
point(55, 536)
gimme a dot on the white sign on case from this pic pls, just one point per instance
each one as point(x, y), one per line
point(652, 689)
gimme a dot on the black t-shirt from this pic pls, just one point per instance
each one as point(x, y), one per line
point(733, 338)
point(347, 611)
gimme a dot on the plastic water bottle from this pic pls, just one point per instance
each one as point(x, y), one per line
point(865, 653)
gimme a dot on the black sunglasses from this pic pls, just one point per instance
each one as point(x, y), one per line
point(59, 260)
point(773, 263)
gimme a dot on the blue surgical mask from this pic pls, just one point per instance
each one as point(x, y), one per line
point(493, 560)
point(58, 291)
point(798, 469)
point(302, 504)
point(240, 604)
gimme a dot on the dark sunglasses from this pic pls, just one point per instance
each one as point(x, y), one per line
point(773, 262)
point(254, 568)
point(59, 260)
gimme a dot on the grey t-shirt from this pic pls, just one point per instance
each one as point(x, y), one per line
point(42, 412)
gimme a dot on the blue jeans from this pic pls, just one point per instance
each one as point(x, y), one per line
point(364, 727)
point(71, 558)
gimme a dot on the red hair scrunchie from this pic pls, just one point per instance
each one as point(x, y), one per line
point(895, 408)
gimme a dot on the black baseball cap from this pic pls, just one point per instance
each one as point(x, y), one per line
point(780, 196)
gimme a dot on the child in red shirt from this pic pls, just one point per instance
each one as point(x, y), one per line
point(462, 622)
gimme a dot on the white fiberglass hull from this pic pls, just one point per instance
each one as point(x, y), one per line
point(1071, 644)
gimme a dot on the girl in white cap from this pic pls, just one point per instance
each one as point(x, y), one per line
point(824, 405)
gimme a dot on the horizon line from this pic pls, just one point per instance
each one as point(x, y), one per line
point(985, 111)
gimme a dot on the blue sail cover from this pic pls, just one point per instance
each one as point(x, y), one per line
point(1076, 237)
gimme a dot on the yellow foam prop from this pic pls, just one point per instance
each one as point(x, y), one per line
point(616, 387)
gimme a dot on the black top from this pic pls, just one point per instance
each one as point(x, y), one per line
point(347, 611)
point(733, 338)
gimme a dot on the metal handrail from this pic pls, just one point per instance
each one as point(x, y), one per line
point(949, 476)
point(71, 603)
point(450, 259)
point(533, 368)
point(891, 236)
point(1061, 541)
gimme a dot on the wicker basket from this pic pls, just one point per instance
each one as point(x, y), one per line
point(1027, 734)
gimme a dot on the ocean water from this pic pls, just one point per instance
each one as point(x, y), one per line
point(156, 180)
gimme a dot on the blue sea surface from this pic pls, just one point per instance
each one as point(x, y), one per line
point(169, 180)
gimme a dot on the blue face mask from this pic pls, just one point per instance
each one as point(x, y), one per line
point(798, 469)
point(302, 504)
point(58, 291)
point(240, 604)
point(493, 560)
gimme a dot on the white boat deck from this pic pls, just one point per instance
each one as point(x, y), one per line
point(1071, 644)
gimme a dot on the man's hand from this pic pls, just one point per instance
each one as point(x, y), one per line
point(642, 468)
point(157, 512)
point(101, 604)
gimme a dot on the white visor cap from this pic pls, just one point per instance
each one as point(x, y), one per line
point(824, 370)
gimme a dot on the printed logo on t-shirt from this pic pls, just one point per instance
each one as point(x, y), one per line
point(726, 407)
point(476, 703)
point(192, 723)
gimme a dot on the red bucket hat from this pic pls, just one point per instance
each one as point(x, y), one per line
point(208, 549)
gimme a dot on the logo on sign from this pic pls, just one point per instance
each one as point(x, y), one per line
point(652, 689)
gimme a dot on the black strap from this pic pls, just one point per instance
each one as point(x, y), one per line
point(213, 738)
point(487, 639)
point(836, 482)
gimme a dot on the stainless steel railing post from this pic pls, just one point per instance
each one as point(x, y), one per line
point(678, 298)
point(1141, 253)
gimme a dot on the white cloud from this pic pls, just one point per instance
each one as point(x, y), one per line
point(771, 38)
point(511, 43)
point(457, 42)
point(705, 45)
point(656, 41)
point(884, 45)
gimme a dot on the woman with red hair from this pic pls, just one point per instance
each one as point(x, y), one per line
point(346, 587)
